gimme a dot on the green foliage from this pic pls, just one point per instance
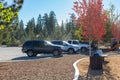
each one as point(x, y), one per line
point(108, 34)
point(8, 13)
point(1, 6)
point(8, 25)
point(112, 19)
point(78, 33)
point(46, 27)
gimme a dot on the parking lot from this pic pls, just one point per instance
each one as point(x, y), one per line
point(46, 67)
point(14, 54)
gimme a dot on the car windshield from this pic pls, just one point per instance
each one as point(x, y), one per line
point(49, 43)
point(66, 43)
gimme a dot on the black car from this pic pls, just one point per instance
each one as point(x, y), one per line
point(33, 47)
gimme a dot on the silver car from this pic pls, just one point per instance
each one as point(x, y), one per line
point(83, 46)
point(67, 47)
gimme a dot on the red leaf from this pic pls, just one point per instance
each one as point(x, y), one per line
point(92, 18)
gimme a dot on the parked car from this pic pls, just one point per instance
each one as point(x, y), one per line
point(34, 47)
point(4, 44)
point(83, 46)
point(67, 47)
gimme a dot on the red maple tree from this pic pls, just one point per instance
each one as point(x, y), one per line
point(92, 18)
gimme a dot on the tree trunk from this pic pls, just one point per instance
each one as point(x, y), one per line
point(90, 47)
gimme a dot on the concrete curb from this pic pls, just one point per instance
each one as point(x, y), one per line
point(76, 75)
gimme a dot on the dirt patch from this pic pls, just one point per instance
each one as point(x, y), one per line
point(111, 69)
point(44, 69)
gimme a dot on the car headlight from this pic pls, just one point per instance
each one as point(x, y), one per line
point(62, 48)
point(76, 48)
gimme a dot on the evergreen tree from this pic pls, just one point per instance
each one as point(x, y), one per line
point(38, 28)
point(21, 32)
point(52, 22)
point(62, 28)
point(45, 25)
point(30, 29)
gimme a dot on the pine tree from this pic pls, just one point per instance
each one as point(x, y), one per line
point(45, 25)
point(38, 28)
point(52, 22)
point(20, 34)
point(30, 29)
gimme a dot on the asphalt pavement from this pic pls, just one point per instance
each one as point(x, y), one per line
point(10, 54)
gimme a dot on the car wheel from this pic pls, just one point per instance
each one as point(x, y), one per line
point(35, 54)
point(30, 54)
point(56, 53)
point(84, 49)
point(71, 51)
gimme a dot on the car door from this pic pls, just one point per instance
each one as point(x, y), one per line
point(47, 47)
point(38, 46)
point(66, 46)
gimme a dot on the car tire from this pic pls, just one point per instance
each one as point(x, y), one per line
point(83, 49)
point(70, 51)
point(30, 53)
point(35, 54)
point(56, 53)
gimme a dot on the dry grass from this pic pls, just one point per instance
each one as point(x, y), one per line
point(111, 69)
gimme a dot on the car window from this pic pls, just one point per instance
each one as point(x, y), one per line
point(28, 43)
point(60, 43)
point(38, 44)
point(57, 42)
point(75, 42)
point(69, 42)
point(65, 44)
point(54, 42)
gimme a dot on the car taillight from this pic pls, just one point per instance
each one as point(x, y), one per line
point(22, 46)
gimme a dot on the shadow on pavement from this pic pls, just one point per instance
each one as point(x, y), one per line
point(42, 56)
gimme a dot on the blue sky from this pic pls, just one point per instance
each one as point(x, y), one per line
point(62, 8)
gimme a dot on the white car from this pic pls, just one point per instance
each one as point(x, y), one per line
point(83, 46)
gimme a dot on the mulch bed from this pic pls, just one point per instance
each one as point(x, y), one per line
point(43, 69)
point(110, 71)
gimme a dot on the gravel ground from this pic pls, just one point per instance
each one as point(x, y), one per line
point(42, 69)
point(111, 68)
